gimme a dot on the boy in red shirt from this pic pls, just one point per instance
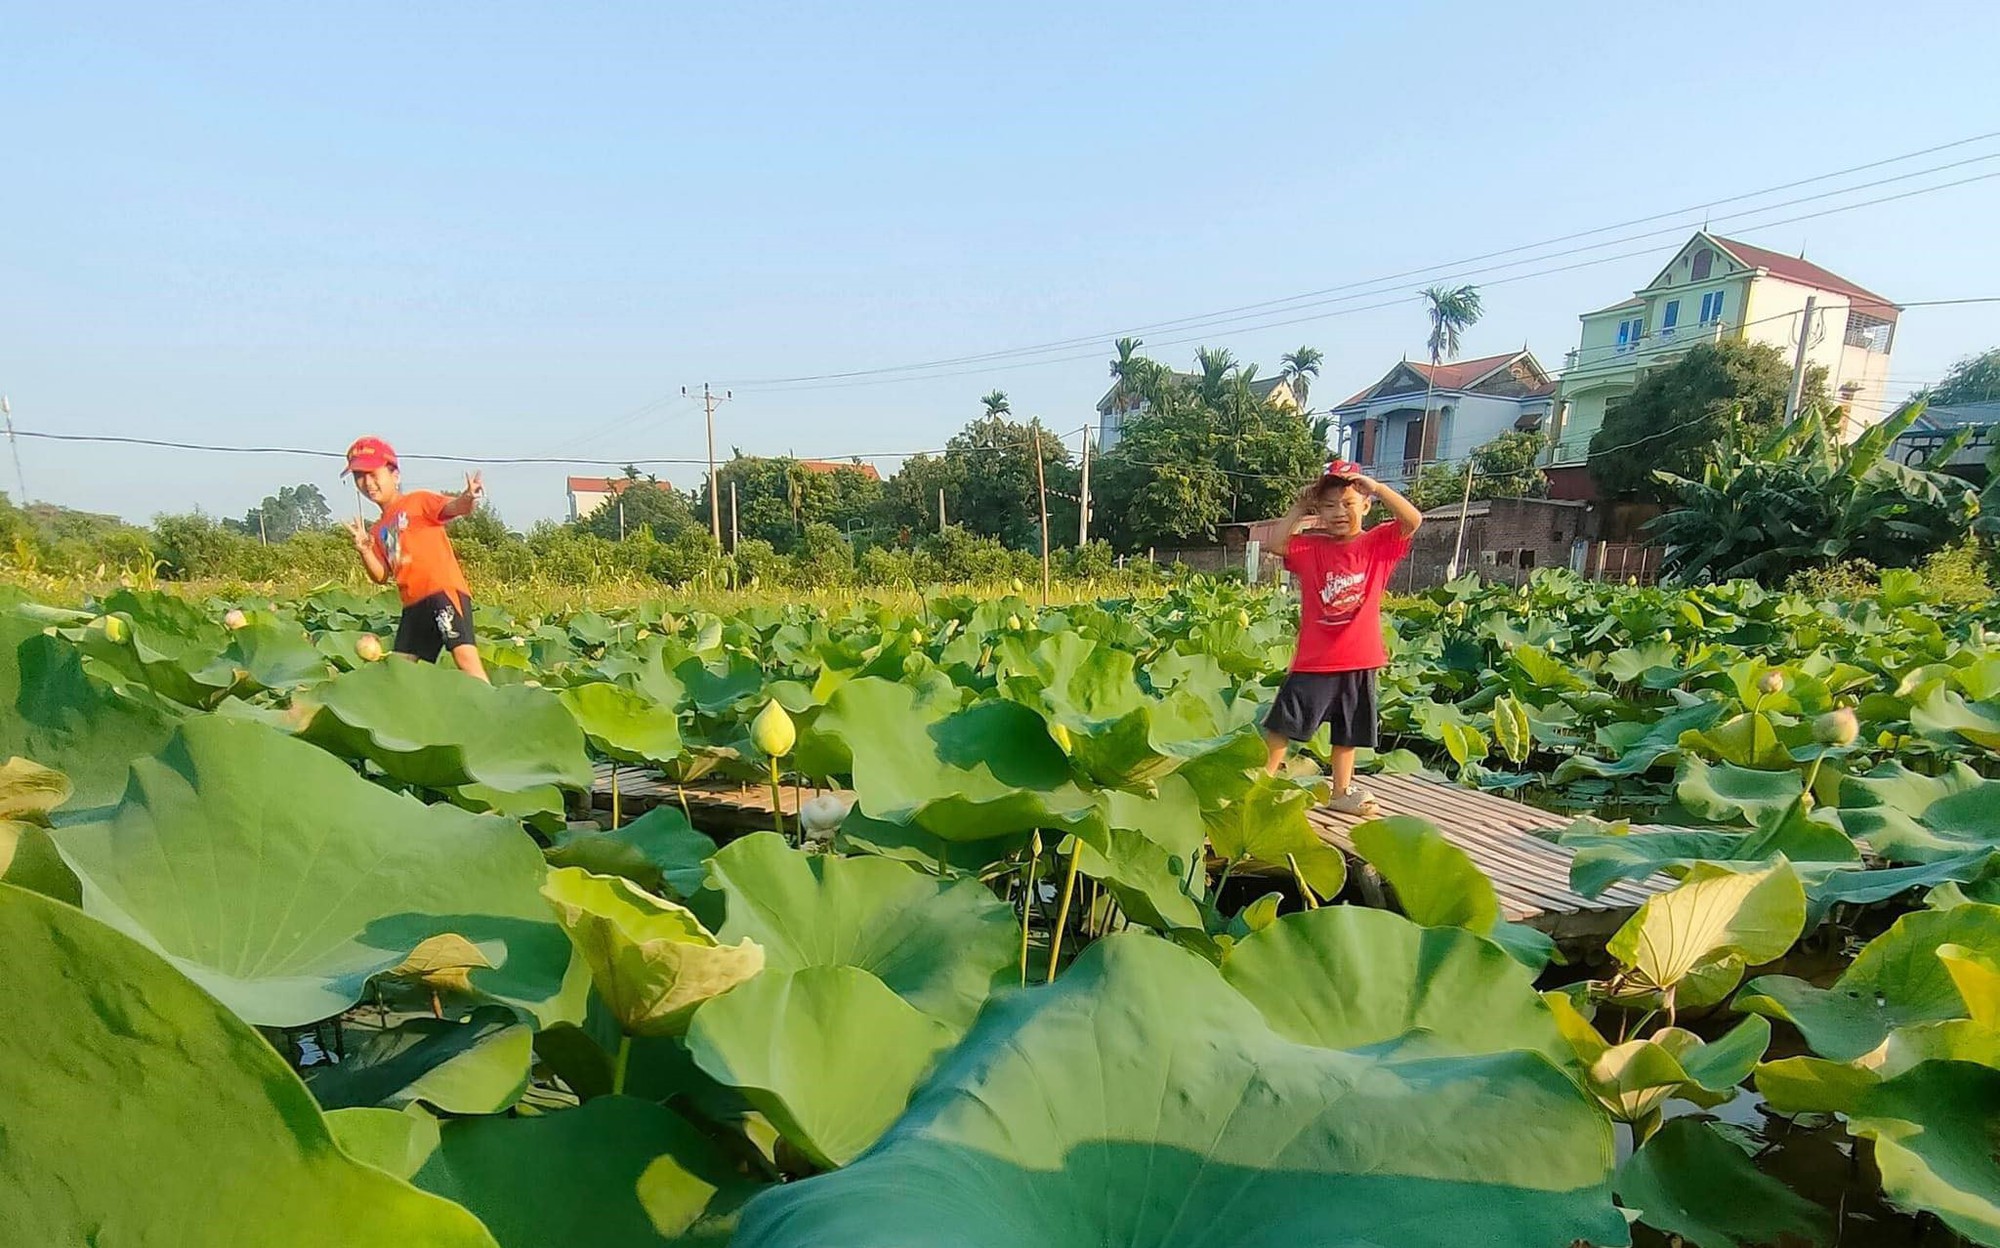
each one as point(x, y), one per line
point(408, 544)
point(1343, 571)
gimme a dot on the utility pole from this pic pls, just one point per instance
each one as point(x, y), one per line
point(732, 518)
point(1799, 361)
point(1458, 542)
point(1042, 488)
point(708, 401)
point(940, 509)
point(1083, 509)
point(7, 410)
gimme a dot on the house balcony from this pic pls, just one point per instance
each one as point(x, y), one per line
point(1646, 351)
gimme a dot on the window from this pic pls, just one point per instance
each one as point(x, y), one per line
point(1704, 260)
point(1870, 333)
point(1671, 316)
point(1711, 306)
point(1630, 332)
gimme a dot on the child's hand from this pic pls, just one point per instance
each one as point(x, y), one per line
point(357, 529)
point(1367, 485)
point(475, 486)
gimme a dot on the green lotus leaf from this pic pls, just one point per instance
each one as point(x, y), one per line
point(276, 654)
point(1691, 1181)
point(651, 960)
point(135, 1107)
point(1137, 1101)
point(1347, 977)
point(55, 715)
point(1944, 716)
point(29, 859)
point(428, 724)
point(396, 1140)
point(909, 843)
point(1154, 841)
point(1813, 1085)
point(277, 879)
point(1934, 1129)
point(1641, 746)
point(168, 645)
point(941, 945)
point(1713, 915)
point(615, 1171)
point(659, 851)
point(1750, 740)
point(1864, 887)
point(1438, 885)
point(623, 724)
point(987, 771)
point(1726, 793)
point(1268, 825)
point(1897, 979)
point(477, 1066)
point(829, 1054)
point(1906, 816)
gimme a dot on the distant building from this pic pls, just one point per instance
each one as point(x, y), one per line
point(1119, 405)
point(1393, 431)
point(1716, 288)
point(1939, 425)
point(587, 494)
point(836, 465)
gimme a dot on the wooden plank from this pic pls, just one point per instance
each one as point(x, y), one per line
point(1530, 875)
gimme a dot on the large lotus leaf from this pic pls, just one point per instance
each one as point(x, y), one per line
point(396, 1140)
point(1944, 716)
point(1438, 885)
point(1139, 1101)
point(1691, 1181)
point(29, 859)
point(659, 851)
point(1864, 887)
point(829, 1054)
point(987, 771)
point(280, 881)
point(54, 714)
point(273, 653)
point(137, 1110)
point(1906, 816)
point(167, 645)
point(1937, 1142)
point(1347, 977)
point(941, 945)
point(1268, 825)
point(1714, 915)
point(651, 960)
point(623, 724)
point(1726, 793)
point(475, 1066)
point(909, 843)
point(430, 725)
point(1898, 979)
point(615, 1171)
point(1640, 745)
point(1749, 740)
point(1154, 841)
point(1634, 1079)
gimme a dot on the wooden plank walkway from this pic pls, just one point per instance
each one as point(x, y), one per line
point(1530, 875)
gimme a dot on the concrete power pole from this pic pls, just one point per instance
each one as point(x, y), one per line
point(7, 410)
point(709, 399)
point(1042, 490)
point(1083, 509)
point(1799, 361)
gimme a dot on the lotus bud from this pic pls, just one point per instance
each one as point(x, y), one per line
point(1837, 727)
point(1060, 732)
point(1018, 586)
point(368, 648)
point(822, 815)
point(1773, 681)
point(916, 636)
point(234, 619)
point(1013, 623)
point(115, 630)
point(772, 731)
point(1242, 619)
point(531, 683)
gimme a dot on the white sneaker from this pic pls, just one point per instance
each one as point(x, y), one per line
point(1356, 801)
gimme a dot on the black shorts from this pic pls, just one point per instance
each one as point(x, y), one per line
point(440, 622)
point(1344, 701)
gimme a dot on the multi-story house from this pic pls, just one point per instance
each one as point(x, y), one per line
point(1716, 288)
point(1120, 405)
point(1418, 414)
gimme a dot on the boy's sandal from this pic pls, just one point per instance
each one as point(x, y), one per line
point(1356, 801)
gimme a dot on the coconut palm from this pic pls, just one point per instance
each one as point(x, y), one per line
point(997, 405)
point(1298, 368)
point(1450, 311)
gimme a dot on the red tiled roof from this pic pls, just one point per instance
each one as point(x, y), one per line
point(603, 485)
point(835, 465)
point(1453, 376)
point(1804, 272)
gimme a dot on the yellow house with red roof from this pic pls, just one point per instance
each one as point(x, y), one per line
point(1716, 288)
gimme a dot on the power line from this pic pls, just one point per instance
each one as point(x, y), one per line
point(314, 453)
point(1220, 316)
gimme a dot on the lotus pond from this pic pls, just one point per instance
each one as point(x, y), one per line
point(302, 948)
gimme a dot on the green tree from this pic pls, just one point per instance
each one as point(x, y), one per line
point(1502, 468)
point(1298, 369)
point(1975, 379)
point(909, 507)
point(293, 509)
point(1676, 415)
point(1451, 311)
point(992, 466)
point(644, 503)
point(1800, 498)
point(996, 403)
point(776, 498)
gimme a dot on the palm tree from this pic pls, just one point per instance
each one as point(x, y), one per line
point(1215, 364)
point(1450, 311)
point(997, 405)
point(1298, 368)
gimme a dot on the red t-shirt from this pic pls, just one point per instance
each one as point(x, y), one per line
point(410, 538)
point(1340, 597)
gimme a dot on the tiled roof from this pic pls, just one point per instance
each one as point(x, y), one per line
point(1453, 376)
point(1804, 272)
point(835, 465)
point(600, 485)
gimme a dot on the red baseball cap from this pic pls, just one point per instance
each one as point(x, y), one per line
point(1334, 468)
point(368, 454)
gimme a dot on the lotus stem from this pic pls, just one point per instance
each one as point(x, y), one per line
point(1028, 887)
point(1812, 777)
point(614, 795)
point(777, 800)
point(1062, 909)
point(1305, 889)
point(437, 1006)
point(681, 791)
point(1215, 898)
point(618, 1067)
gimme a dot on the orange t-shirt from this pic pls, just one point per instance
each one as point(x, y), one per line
point(411, 540)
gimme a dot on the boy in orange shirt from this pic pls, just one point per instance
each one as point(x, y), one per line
point(409, 545)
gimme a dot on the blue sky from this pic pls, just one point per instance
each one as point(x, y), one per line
point(509, 229)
